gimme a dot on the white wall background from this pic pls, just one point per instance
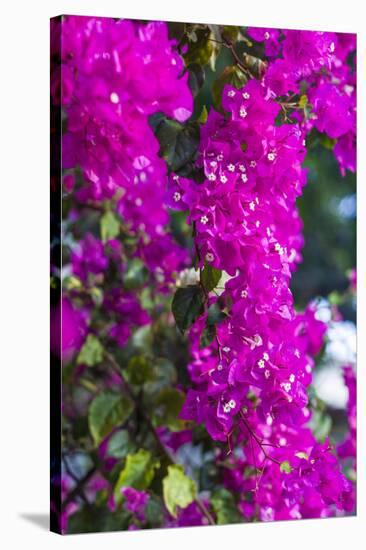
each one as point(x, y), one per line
point(24, 199)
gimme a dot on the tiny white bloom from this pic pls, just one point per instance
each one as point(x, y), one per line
point(231, 167)
point(211, 177)
point(177, 196)
point(265, 356)
point(271, 156)
point(243, 112)
point(232, 403)
point(220, 157)
point(223, 178)
point(246, 95)
point(292, 378)
point(231, 93)
point(244, 294)
point(219, 367)
point(209, 257)
point(204, 220)
point(266, 35)
point(227, 408)
point(257, 223)
point(242, 168)
point(267, 373)
point(226, 349)
point(261, 364)
point(253, 163)
point(252, 206)
point(114, 97)
point(244, 178)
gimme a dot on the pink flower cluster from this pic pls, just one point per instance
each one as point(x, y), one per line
point(105, 65)
point(251, 382)
point(316, 64)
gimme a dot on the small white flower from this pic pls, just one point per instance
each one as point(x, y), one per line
point(231, 93)
point(257, 223)
point(286, 386)
point(242, 168)
point(223, 178)
point(266, 35)
point(226, 349)
point(252, 206)
point(176, 177)
point(271, 156)
point(243, 112)
point(244, 178)
point(210, 257)
point(231, 167)
point(244, 294)
point(114, 97)
point(292, 378)
point(227, 408)
point(261, 364)
point(211, 177)
point(265, 356)
point(246, 95)
point(267, 373)
point(219, 367)
point(204, 220)
point(253, 164)
point(257, 340)
point(220, 157)
point(177, 196)
point(232, 404)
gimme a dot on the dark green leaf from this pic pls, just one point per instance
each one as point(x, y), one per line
point(178, 143)
point(120, 444)
point(140, 370)
point(168, 405)
point(224, 506)
point(196, 77)
point(106, 411)
point(210, 277)
point(188, 304)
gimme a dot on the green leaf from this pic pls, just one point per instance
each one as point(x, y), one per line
point(168, 405)
point(135, 275)
point(120, 444)
point(321, 424)
point(187, 305)
point(138, 472)
point(109, 226)
point(203, 116)
point(91, 353)
point(285, 467)
point(178, 143)
point(200, 47)
point(230, 75)
point(178, 489)
point(106, 411)
point(224, 507)
point(210, 277)
point(303, 101)
point(196, 77)
point(140, 370)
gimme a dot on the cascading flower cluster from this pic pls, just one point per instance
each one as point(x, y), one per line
point(253, 378)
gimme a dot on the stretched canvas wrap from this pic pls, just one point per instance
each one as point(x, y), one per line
point(203, 283)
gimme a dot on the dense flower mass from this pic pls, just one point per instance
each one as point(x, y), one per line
point(137, 221)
